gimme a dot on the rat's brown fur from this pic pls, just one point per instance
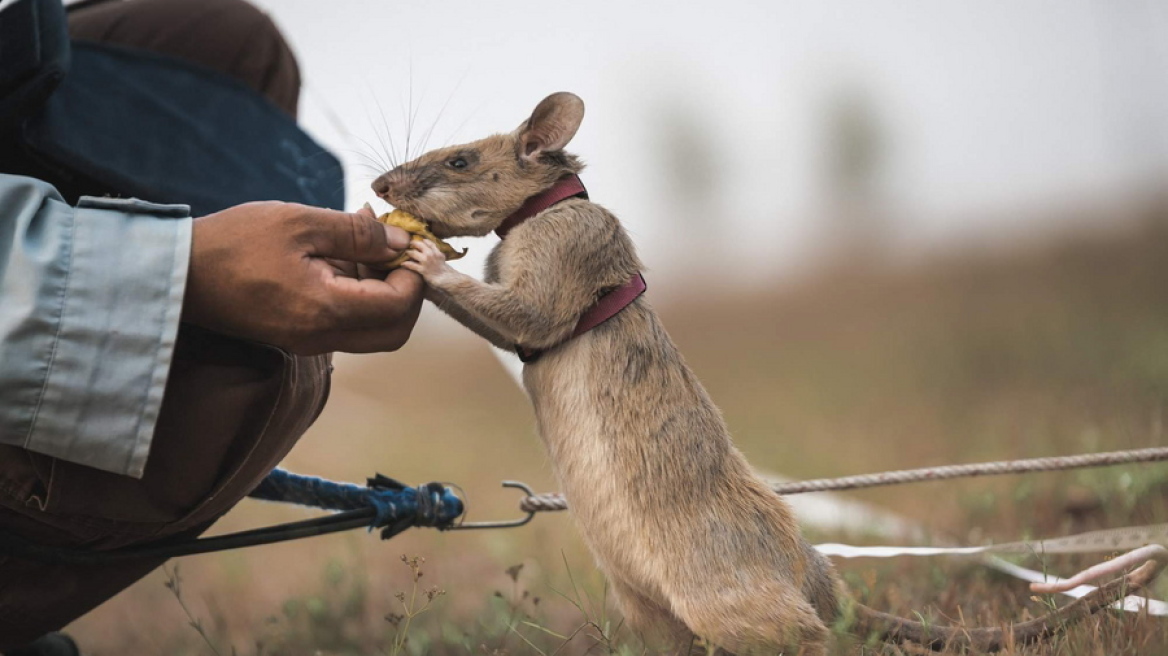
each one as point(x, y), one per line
point(691, 540)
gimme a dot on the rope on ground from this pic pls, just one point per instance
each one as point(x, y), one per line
point(555, 501)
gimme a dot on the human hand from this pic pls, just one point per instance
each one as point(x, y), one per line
point(287, 275)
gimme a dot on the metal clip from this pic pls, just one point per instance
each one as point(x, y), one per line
point(504, 524)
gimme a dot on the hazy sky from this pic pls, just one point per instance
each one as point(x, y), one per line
point(981, 108)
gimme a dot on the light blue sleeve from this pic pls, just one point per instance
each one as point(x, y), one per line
point(90, 301)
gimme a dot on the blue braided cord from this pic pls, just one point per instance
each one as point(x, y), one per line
point(428, 505)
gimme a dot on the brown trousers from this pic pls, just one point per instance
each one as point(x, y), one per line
point(231, 411)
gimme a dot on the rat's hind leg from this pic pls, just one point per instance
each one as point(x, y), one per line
point(757, 622)
point(648, 619)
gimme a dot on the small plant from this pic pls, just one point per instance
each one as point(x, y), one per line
point(596, 625)
point(412, 607)
point(174, 584)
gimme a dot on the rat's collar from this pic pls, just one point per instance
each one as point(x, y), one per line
point(566, 187)
point(611, 303)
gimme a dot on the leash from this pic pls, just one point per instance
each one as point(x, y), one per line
point(554, 501)
point(384, 503)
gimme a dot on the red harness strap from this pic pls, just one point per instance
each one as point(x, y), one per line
point(609, 305)
point(566, 187)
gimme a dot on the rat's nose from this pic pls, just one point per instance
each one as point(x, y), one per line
point(382, 184)
point(390, 184)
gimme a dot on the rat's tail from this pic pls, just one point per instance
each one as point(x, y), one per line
point(893, 628)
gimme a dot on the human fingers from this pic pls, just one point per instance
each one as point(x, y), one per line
point(385, 336)
point(356, 237)
point(350, 269)
point(375, 304)
point(366, 271)
point(371, 340)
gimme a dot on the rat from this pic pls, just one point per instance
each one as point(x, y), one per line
point(692, 542)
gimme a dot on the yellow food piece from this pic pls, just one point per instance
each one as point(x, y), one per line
point(419, 230)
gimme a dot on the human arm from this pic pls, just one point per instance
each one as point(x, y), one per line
point(90, 300)
point(91, 297)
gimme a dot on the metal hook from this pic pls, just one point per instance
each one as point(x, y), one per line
point(507, 524)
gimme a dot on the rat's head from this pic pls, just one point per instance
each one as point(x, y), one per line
point(469, 189)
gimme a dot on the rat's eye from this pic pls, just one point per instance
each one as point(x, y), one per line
point(458, 163)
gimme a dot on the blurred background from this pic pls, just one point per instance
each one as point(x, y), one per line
point(885, 234)
point(884, 128)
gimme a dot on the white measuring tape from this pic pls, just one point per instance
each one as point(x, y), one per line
point(1120, 539)
point(830, 511)
point(1116, 539)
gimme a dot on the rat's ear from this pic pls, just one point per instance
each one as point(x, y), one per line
point(551, 126)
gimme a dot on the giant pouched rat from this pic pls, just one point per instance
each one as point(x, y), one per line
point(690, 539)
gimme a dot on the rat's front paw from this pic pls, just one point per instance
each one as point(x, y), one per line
point(427, 260)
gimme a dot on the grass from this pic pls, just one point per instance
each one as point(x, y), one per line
point(1047, 349)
